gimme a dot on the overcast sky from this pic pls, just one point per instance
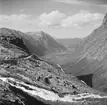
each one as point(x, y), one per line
point(59, 18)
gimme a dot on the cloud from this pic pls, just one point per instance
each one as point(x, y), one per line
point(18, 21)
point(81, 19)
point(54, 19)
point(12, 20)
point(13, 17)
point(70, 1)
point(83, 2)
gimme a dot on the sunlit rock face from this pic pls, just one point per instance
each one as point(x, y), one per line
point(10, 95)
point(22, 93)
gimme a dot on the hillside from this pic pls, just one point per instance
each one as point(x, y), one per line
point(44, 40)
point(26, 79)
point(91, 57)
point(31, 44)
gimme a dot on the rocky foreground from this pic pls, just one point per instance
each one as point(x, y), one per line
point(32, 81)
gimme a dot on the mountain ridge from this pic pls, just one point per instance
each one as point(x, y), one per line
point(92, 57)
point(28, 79)
point(49, 42)
point(33, 45)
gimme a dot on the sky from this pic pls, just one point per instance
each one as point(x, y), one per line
point(59, 18)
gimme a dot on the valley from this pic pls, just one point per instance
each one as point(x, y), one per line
point(24, 76)
point(36, 68)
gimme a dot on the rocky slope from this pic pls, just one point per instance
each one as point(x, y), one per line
point(38, 79)
point(28, 80)
point(40, 46)
point(91, 57)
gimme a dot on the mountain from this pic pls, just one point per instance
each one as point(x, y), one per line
point(26, 79)
point(91, 57)
point(66, 55)
point(46, 41)
point(69, 42)
point(30, 44)
point(13, 37)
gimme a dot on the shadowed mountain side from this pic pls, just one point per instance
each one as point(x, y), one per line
point(13, 37)
point(87, 79)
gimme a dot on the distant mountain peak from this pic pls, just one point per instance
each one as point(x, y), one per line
point(47, 41)
point(105, 19)
point(42, 32)
point(38, 34)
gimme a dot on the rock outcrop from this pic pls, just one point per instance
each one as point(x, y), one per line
point(41, 45)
